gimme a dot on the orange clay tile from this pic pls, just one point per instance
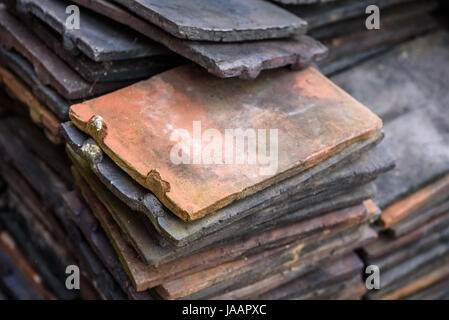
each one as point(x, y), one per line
point(402, 208)
point(314, 120)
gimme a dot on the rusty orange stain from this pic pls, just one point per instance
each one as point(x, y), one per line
point(315, 120)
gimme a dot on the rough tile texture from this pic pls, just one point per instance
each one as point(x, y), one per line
point(245, 60)
point(46, 95)
point(417, 218)
point(93, 37)
point(297, 105)
point(320, 15)
point(394, 30)
point(429, 274)
point(48, 67)
point(38, 113)
point(272, 202)
point(288, 263)
point(82, 216)
point(402, 208)
point(155, 251)
point(385, 245)
point(408, 251)
point(324, 276)
point(302, 1)
point(218, 20)
point(406, 87)
point(102, 71)
point(147, 276)
point(396, 12)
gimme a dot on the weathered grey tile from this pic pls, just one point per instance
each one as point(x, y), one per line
point(387, 244)
point(93, 38)
point(245, 60)
point(179, 233)
point(144, 276)
point(324, 276)
point(21, 68)
point(430, 273)
point(406, 88)
point(408, 251)
point(418, 146)
point(407, 78)
point(38, 113)
point(411, 265)
point(219, 21)
point(103, 71)
point(50, 69)
point(422, 215)
point(289, 265)
point(82, 216)
point(320, 15)
point(394, 30)
point(400, 11)
point(145, 239)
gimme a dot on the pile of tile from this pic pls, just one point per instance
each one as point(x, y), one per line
point(233, 226)
point(143, 207)
point(407, 89)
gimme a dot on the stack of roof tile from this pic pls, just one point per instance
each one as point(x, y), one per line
point(412, 250)
point(143, 221)
point(205, 229)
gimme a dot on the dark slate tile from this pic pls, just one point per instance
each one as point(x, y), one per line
point(93, 37)
point(219, 21)
point(14, 62)
point(245, 60)
point(50, 69)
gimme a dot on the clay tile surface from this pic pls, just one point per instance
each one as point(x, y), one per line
point(145, 126)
